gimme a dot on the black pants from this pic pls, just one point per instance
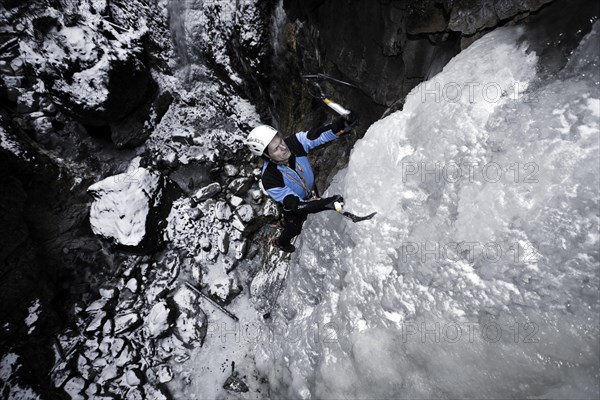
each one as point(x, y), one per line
point(292, 226)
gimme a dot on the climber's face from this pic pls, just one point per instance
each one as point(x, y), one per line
point(278, 150)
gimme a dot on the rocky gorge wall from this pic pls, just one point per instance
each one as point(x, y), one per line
point(93, 91)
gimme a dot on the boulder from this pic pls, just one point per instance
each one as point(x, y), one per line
point(207, 192)
point(240, 186)
point(191, 325)
point(235, 201)
point(108, 292)
point(157, 321)
point(96, 323)
point(223, 241)
point(133, 285)
point(224, 288)
point(133, 377)
point(246, 213)
point(164, 373)
point(234, 383)
point(231, 170)
point(222, 211)
point(126, 322)
point(128, 208)
point(74, 387)
point(191, 328)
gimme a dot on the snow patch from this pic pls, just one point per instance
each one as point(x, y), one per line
point(34, 313)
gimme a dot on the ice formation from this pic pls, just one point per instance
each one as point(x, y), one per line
point(478, 276)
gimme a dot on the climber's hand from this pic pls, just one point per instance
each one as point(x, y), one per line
point(335, 202)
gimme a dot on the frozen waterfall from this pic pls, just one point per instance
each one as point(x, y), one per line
point(477, 277)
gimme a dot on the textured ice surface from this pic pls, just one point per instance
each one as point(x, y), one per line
point(479, 275)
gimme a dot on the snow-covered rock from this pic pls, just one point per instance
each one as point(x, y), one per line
point(195, 213)
point(235, 200)
point(157, 320)
point(133, 377)
point(230, 170)
point(222, 211)
point(133, 285)
point(223, 241)
point(96, 322)
point(246, 212)
point(240, 250)
point(207, 192)
point(109, 373)
point(191, 325)
point(74, 387)
point(93, 69)
point(97, 305)
point(235, 384)
point(225, 288)
point(126, 322)
point(256, 195)
point(205, 243)
point(126, 356)
point(108, 328)
point(240, 186)
point(191, 328)
point(117, 346)
point(108, 292)
point(164, 373)
point(127, 207)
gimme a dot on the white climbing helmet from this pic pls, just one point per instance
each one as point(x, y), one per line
point(259, 138)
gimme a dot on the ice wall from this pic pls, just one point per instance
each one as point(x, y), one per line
point(479, 275)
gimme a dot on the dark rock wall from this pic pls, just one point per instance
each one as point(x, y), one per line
point(48, 252)
point(43, 242)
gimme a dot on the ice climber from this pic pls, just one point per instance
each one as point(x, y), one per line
point(287, 175)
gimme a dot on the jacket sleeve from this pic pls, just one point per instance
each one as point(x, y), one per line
point(318, 136)
point(295, 205)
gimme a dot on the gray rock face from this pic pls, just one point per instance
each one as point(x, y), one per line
point(471, 16)
point(134, 128)
point(87, 82)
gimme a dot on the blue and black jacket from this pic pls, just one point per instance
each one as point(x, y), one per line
point(292, 185)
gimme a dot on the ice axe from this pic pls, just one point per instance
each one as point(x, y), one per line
point(339, 207)
point(316, 91)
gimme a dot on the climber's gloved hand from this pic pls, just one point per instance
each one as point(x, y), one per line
point(352, 118)
point(345, 123)
point(334, 202)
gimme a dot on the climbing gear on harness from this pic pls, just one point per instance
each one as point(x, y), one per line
point(302, 182)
